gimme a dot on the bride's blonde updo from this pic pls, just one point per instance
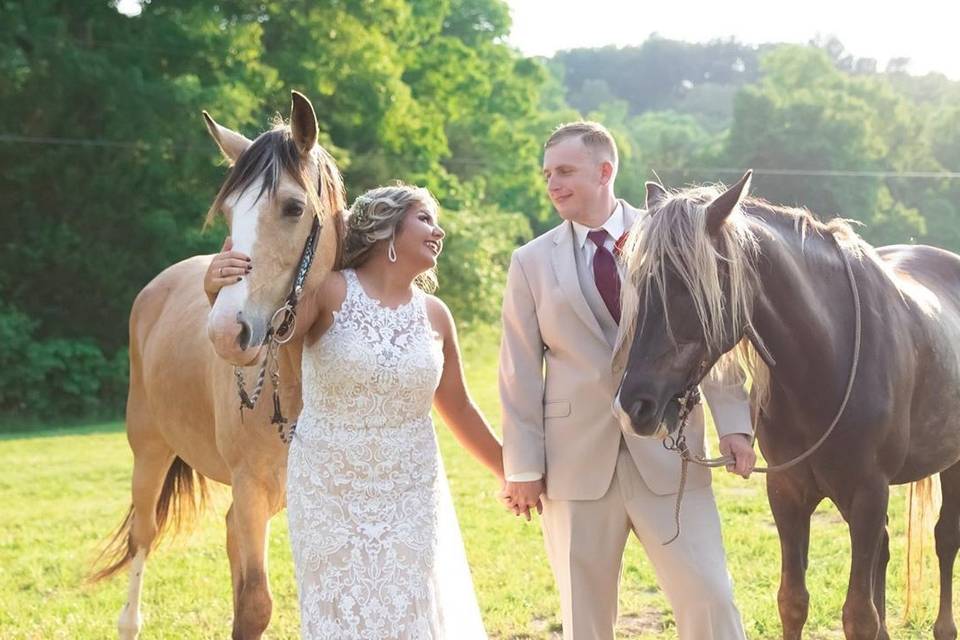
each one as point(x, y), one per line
point(377, 216)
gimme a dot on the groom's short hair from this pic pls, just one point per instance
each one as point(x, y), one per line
point(594, 136)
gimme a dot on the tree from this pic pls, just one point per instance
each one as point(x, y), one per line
point(807, 115)
point(656, 74)
point(420, 91)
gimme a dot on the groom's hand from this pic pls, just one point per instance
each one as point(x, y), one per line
point(739, 447)
point(520, 497)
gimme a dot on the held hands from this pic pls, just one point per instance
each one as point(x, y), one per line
point(520, 497)
point(227, 267)
point(739, 447)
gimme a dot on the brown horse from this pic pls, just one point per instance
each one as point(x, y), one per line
point(182, 408)
point(708, 270)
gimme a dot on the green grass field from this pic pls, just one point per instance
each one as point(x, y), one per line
point(65, 490)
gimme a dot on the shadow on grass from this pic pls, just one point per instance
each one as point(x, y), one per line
point(28, 431)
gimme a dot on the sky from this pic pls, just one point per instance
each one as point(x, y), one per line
point(926, 31)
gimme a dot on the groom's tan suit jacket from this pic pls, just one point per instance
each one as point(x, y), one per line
point(557, 383)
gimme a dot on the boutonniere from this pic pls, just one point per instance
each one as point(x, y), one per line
point(619, 244)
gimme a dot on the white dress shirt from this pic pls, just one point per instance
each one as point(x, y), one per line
point(614, 228)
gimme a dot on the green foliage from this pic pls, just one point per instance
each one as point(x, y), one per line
point(664, 142)
point(473, 265)
point(655, 75)
point(822, 128)
point(110, 185)
point(55, 378)
point(424, 92)
point(806, 114)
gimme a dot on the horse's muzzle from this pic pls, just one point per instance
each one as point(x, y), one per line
point(236, 340)
point(645, 417)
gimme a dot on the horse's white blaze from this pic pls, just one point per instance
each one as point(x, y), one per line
point(232, 299)
point(130, 619)
point(246, 212)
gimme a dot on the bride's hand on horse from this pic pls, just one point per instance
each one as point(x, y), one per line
point(227, 267)
point(739, 447)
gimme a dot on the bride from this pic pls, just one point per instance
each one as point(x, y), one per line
point(376, 544)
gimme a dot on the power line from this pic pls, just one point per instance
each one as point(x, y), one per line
point(84, 142)
point(189, 50)
point(831, 173)
point(839, 173)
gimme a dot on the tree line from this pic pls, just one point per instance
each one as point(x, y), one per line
point(106, 168)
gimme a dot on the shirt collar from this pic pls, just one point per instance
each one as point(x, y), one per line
point(614, 226)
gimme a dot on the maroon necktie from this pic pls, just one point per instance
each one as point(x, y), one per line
point(605, 274)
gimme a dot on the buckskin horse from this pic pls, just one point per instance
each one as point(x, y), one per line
point(849, 347)
point(282, 199)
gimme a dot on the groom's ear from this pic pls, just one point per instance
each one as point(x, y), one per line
point(606, 172)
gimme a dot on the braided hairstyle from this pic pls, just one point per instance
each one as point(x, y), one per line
point(376, 217)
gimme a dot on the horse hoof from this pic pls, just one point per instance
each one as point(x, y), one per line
point(128, 632)
point(128, 627)
point(947, 631)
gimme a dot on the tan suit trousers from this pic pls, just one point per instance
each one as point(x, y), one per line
point(585, 540)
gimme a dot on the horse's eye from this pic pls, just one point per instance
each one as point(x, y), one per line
point(293, 210)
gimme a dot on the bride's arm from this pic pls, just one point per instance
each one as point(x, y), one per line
point(453, 401)
point(316, 306)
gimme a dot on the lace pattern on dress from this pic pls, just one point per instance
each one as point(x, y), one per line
point(366, 493)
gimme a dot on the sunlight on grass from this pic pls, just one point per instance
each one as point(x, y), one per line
point(64, 491)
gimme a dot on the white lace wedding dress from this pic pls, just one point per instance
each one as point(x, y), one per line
point(376, 543)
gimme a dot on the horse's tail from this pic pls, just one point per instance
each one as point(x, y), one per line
point(922, 498)
point(182, 498)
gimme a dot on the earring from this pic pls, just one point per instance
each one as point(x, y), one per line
point(392, 252)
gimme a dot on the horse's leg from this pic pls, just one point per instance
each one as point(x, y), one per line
point(792, 501)
point(255, 500)
point(150, 465)
point(880, 581)
point(233, 553)
point(865, 511)
point(947, 534)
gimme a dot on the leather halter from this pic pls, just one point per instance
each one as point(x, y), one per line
point(282, 323)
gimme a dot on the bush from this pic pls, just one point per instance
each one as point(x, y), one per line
point(55, 378)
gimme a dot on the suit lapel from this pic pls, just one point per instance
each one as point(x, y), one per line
point(565, 268)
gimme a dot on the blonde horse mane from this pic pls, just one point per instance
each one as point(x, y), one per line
point(674, 236)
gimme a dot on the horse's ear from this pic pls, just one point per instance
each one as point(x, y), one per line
point(303, 123)
point(726, 202)
point(656, 194)
point(231, 143)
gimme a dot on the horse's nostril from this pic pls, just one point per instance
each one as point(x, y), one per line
point(642, 410)
point(243, 338)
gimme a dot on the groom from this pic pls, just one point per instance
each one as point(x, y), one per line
point(561, 441)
